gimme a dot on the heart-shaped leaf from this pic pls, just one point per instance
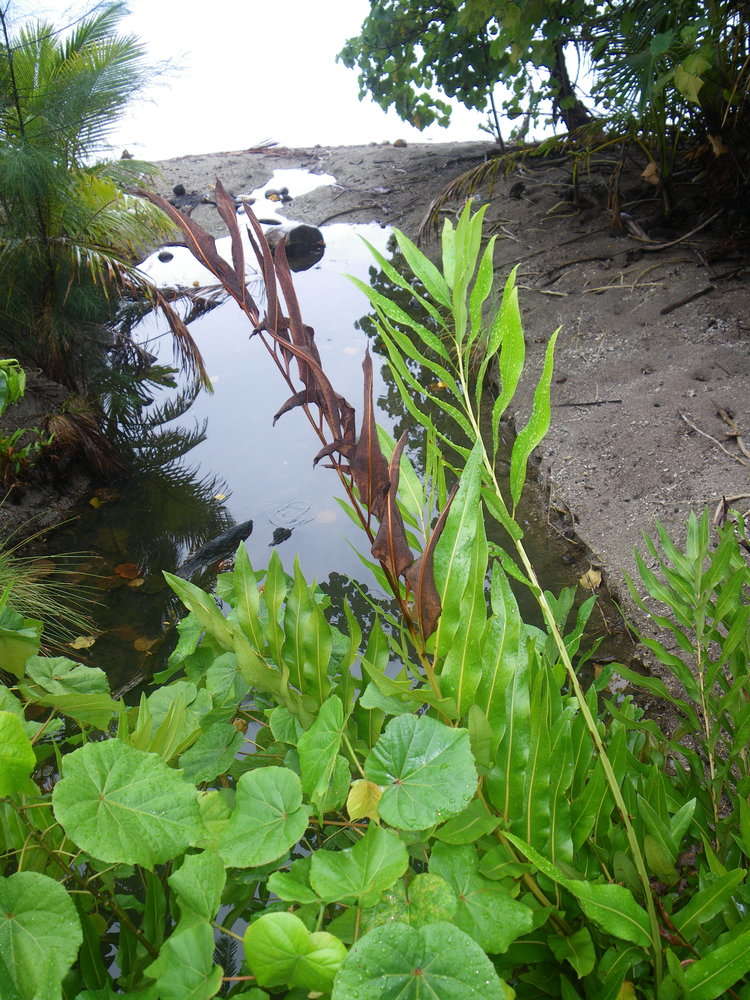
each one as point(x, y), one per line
point(281, 951)
point(40, 935)
point(362, 872)
point(485, 909)
point(268, 818)
point(185, 967)
point(123, 805)
point(437, 961)
point(426, 770)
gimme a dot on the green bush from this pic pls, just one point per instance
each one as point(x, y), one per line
point(436, 809)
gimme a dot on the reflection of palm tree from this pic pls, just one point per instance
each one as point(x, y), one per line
point(391, 402)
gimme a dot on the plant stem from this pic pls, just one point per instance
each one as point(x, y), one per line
point(225, 930)
point(352, 754)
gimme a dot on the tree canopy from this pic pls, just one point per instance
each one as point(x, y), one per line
point(651, 65)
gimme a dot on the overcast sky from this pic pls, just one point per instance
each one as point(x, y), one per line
point(248, 70)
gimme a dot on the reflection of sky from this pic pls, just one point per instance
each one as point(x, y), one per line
point(269, 469)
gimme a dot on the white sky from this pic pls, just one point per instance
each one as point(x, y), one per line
point(248, 70)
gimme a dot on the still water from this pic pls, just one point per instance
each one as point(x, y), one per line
point(242, 466)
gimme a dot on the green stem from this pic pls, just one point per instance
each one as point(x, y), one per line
point(352, 754)
point(120, 913)
point(225, 930)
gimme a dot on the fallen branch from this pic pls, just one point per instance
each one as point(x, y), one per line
point(591, 402)
point(735, 458)
point(734, 431)
point(688, 298)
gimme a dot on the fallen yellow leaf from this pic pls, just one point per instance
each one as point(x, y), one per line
point(651, 174)
point(143, 645)
point(82, 642)
point(137, 582)
point(591, 579)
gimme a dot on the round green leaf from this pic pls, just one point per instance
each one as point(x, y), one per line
point(361, 872)
point(429, 900)
point(40, 934)
point(267, 820)
point(282, 952)
point(123, 805)
point(437, 961)
point(426, 770)
point(17, 758)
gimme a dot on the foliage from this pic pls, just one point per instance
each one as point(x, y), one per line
point(659, 72)
point(406, 48)
point(69, 231)
point(436, 808)
point(12, 383)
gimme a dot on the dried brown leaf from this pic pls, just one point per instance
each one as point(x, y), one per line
point(201, 244)
point(226, 209)
point(298, 399)
point(651, 173)
point(128, 570)
point(390, 545)
point(369, 467)
point(420, 577)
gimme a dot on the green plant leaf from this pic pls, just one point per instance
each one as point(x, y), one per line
point(318, 748)
point(474, 822)
point(203, 606)
point(428, 899)
point(424, 269)
point(452, 558)
point(485, 909)
point(538, 425)
point(17, 757)
point(462, 668)
point(361, 872)
point(40, 935)
point(294, 886)
point(506, 335)
point(198, 884)
point(501, 649)
point(307, 642)
point(286, 728)
point(710, 977)
point(185, 968)
point(426, 770)
point(122, 805)
point(705, 905)
point(19, 639)
point(610, 906)
point(281, 951)
point(268, 818)
point(577, 948)
point(59, 675)
point(438, 962)
point(212, 754)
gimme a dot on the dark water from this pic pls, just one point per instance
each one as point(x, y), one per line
point(246, 468)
